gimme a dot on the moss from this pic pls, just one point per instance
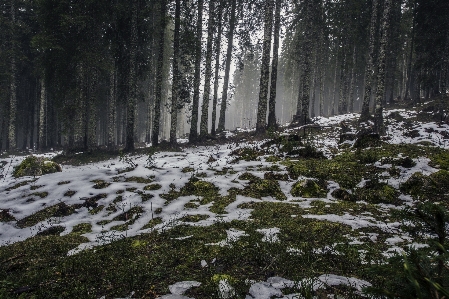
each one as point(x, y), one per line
point(69, 193)
point(146, 197)
point(35, 187)
point(194, 218)
point(132, 214)
point(59, 210)
point(158, 211)
point(247, 154)
point(272, 159)
point(152, 223)
point(40, 194)
point(139, 180)
point(376, 192)
point(152, 187)
point(5, 216)
point(441, 160)
point(120, 227)
point(259, 188)
point(308, 188)
point(35, 166)
point(247, 176)
point(191, 205)
point(96, 210)
point(100, 184)
point(51, 231)
point(82, 228)
point(198, 187)
point(63, 182)
point(275, 176)
point(342, 194)
point(187, 169)
point(18, 185)
point(201, 175)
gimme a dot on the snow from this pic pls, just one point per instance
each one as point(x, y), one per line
point(180, 288)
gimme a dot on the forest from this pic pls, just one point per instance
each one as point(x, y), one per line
point(120, 74)
point(197, 149)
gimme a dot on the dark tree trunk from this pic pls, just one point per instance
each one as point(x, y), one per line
point(380, 93)
point(224, 95)
point(265, 69)
point(12, 140)
point(176, 74)
point(274, 67)
point(197, 78)
point(369, 72)
point(217, 67)
point(208, 75)
point(159, 75)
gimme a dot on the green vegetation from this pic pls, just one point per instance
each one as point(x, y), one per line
point(35, 166)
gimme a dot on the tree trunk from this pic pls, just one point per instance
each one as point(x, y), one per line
point(407, 93)
point(132, 81)
point(274, 67)
point(265, 69)
point(369, 71)
point(197, 77)
point(159, 75)
point(112, 109)
point(217, 67)
point(352, 83)
point(224, 95)
point(380, 93)
point(12, 140)
point(334, 94)
point(42, 129)
point(176, 74)
point(314, 84)
point(208, 75)
point(92, 113)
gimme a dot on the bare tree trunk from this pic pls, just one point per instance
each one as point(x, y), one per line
point(12, 140)
point(407, 93)
point(197, 77)
point(92, 113)
point(334, 94)
point(224, 95)
point(274, 67)
point(208, 75)
point(265, 69)
point(159, 75)
point(112, 109)
point(352, 84)
point(176, 74)
point(380, 93)
point(217, 67)
point(314, 84)
point(42, 131)
point(132, 81)
point(369, 72)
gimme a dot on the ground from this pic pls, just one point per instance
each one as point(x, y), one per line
point(297, 215)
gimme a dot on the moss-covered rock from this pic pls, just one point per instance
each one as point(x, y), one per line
point(309, 188)
point(35, 166)
point(342, 194)
point(376, 192)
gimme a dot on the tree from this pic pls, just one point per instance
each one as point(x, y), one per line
point(217, 66)
point(274, 66)
point(208, 72)
point(224, 94)
point(265, 69)
point(176, 73)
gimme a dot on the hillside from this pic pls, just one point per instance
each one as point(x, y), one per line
point(306, 212)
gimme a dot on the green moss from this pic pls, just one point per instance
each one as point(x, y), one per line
point(18, 185)
point(82, 228)
point(247, 176)
point(51, 231)
point(152, 187)
point(259, 188)
point(5, 216)
point(59, 210)
point(146, 197)
point(247, 154)
point(130, 215)
point(376, 192)
point(96, 210)
point(441, 160)
point(40, 194)
point(191, 205)
point(63, 182)
point(100, 184)
point(35, 187)
point(139, 180)
point(69, 193)
point(187, 169)
point(35, 166)
point(194, 218)
point(152, 223)
point(308, 188)
point(272, 159)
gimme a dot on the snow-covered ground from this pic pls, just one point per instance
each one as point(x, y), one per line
point(169, 171)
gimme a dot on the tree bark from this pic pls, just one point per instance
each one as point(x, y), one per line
point(159, 75)
point(224, 95)
point(352, 83)
point(380, 93)
point(12, 140)
point(274, 67)
point(132, 81)
point(42, 131)
point(197, 77)
point(208, 75)
point(176, 74)
point(112, 112)
point(369, 72)
point(217, 67)
point(265, 69)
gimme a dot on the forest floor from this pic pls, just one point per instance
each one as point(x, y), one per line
point(292, 216)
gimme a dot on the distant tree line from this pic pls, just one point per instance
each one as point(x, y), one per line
point(91, 74)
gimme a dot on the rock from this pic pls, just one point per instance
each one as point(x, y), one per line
point(342, 194)
point(35, 166)
point(308, 188)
